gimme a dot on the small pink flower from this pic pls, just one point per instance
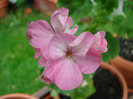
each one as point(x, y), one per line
point(69, 57)
point(100, 42)
point(40, 32)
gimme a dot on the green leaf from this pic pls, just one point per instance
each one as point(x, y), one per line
point(53, 93)
point(86, 88)
point(58, 91)
point(77, 8)
point(20, 2)
point(123, 25)
point(106, 6)
point(113, 48)
point(82, 11)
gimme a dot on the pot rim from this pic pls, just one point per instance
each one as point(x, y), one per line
point(128, 63)
point(119, 76)
point(18, 95)
point(3, 3)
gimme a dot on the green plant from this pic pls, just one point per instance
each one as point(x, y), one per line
point(22, 2)
point(101, 17)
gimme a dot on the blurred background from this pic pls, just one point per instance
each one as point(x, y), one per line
point(19, 71)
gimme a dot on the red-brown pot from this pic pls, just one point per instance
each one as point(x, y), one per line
point(18, 96)
point(126, 68)
point(45, 6)
point(3, 7)
point(119, 76)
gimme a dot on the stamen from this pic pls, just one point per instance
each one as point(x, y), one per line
point(69, 54)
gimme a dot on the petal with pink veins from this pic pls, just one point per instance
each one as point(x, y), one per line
point(49, 68)
point(82, 44)
point(67, 29)
point(40, 29)
point(90, 62)
point(67, 74)
point(74, 30)
point(41, 44)
point(38, 43)
point(42, 61)
point(59, 45)
point(103, 45)
point(58, 19)
point(100, 42)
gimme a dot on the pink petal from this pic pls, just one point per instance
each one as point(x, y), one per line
point(37, 42)
point(44, 51)
point(71, 31)
point(82, 44)
point(45, 79)
point(59, 45)
point(58, 19)
point(41, 44)
point(102, 33)
point(67, 74)
point(74, 30)
point(91, 62)
point(49, 68)
point(42, 61)
point(103, 45)
point(100, 42)
point(39, 29)
point(69, 24)
point(37, 52)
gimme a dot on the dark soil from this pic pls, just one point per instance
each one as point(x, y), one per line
point(107, 86)
point(64, 97)
point(126, 48)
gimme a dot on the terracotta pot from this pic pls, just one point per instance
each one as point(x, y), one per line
point(18, 96)
point(126, 68)
point(3, 7)
point(45, 6)
point(53, 1)
point(28, 11)
point(86, 20)
point(119, 76)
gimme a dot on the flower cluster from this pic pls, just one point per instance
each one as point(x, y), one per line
point(64, 56)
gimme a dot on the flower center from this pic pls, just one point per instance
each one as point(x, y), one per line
point(69, 54)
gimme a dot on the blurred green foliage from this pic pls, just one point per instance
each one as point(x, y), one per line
point(20, 2)
point(107, 6)
point(19, 71)
point(78, 8)
point(113, 47)
point(24, 2)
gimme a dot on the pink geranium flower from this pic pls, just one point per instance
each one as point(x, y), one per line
point(65, 56)
point(40, 32)
point(69, 57)
point(100, 42)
